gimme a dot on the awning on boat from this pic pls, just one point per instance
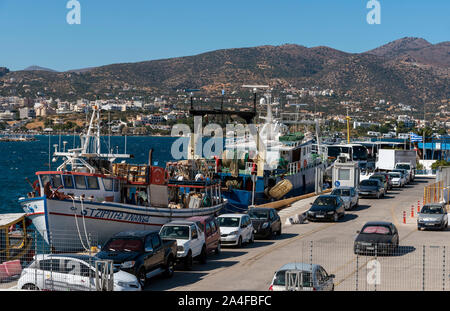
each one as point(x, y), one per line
point(7, 220)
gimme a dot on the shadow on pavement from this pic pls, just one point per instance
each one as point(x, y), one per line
point(361, 207)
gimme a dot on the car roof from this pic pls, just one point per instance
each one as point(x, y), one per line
point(378, 223)
point(181, 222)
point(344, 187)
point(299, 266)
point(137, 234)
point(440, 204)
point(201, 219)
point(82, 257)
point(328, 196)
point(232, 215)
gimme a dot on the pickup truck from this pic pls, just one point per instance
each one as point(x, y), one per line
point(190, 238)
point(142, 253)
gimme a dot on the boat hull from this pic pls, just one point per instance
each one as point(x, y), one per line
point(71, 225)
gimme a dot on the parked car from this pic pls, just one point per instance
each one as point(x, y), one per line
point(191, 243)
point(382, 179)
point(371, 188)
point(235, 229)
point(388, 178)
point(379, 236)
point(398, 180)
point(326, 207)
point(142, 253)
point(265, 221)
point(405, 174)
point(433, 215)
point(211, 228)
point(306, 277)
point(62, 272)
point(349, 195)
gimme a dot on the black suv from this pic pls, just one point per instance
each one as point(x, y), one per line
point(265, 222)
point(142, 253)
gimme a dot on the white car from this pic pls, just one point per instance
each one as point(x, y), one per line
point(63, 272)
point(190, 241)
point(397, 179)
point(235, 229)
point(302, 277)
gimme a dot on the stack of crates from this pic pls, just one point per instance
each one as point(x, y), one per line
point(134, 174)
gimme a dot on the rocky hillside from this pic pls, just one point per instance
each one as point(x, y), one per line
point(406, 70)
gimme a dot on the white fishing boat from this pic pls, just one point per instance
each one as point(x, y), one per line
point(92, 198)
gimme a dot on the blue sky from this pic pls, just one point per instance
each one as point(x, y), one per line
point(35, 32)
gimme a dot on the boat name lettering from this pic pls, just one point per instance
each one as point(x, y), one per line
point(108, 214)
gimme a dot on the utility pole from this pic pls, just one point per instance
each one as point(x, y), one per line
point(424, 124)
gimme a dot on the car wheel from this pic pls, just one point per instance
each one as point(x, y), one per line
point(203, 255)
point(239, 245)
point(279, 231)
point(252, 238)
point(142, 277)
point(30, 287)
point(170, 267)
point(218, 248)
point(188, 261)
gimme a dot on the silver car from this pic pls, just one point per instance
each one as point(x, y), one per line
point(349, 195)
point(302, 277)
point(433, 215)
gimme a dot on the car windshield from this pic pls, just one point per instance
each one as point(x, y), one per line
point(228, 221)
point(376, 230)
point(124, 245)
point(369, 182)
point(280, 278)
point(403, 166)
point(430, 209)
point(258, 214)
point(325, 201)
point(395, 175)
point(341, 192)
point(175, 232)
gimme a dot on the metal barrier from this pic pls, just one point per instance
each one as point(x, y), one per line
point(436, 192)
point(372, 267)
point(62, 267)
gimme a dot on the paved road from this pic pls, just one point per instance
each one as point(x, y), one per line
point(331, 245)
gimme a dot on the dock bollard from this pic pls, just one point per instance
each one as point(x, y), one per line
point(404, 217)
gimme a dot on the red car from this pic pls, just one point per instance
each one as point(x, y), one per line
point(211, 228)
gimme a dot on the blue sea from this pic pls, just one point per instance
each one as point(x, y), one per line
point(21, 160)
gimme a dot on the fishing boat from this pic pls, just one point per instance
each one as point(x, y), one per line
point(90, 198)
point(274, 166)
